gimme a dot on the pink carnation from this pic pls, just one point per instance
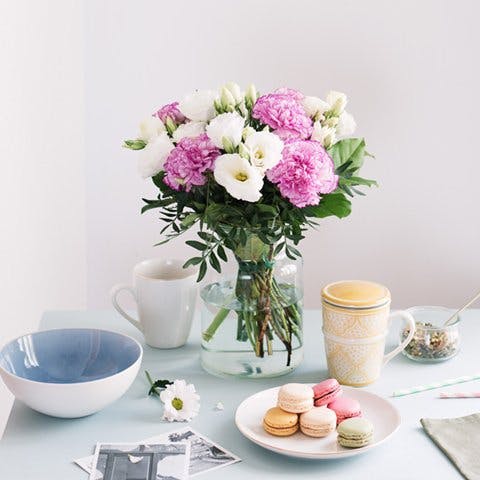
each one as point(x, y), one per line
point(290, 92)
point(284, 114)
point(188, 161)
point(305, 171)
point(170, 110)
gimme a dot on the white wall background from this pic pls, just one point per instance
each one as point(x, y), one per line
point(42, 195)
point(412, 72)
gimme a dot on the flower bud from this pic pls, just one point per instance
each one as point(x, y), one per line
point(227, 99)
point(330, 122)
point(247, 131)
point(337, 102)
point(234, 89)
point(137, 144)
point(228, 145)
point(251, 94)
point(218, 106)
point(243, 151)
point(170, 125)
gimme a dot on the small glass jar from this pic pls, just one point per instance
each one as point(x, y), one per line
point(432, 342)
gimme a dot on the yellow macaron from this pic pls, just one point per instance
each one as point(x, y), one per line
point(280, 423)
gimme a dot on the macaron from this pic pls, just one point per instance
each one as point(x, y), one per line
point(295, 398)
point(326, 391)
point(318, 422)
point(345, 408)
point(280, 423)
point(355, 432)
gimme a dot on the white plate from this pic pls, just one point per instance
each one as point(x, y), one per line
point(249, 417)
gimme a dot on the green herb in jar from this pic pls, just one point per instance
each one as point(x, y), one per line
point(430, 342)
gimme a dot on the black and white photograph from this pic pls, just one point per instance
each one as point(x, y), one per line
point(205, 455)
point(161, 461)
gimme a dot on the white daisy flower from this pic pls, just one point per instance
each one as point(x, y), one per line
point(182, 403)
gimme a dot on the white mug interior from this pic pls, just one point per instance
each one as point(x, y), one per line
point(163, 269)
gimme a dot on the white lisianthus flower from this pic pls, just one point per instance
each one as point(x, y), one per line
point(315, 107)
point(226, 125)
point(337, 102)
point(153, 156)
point(182, 403)
point(198, 106)
point(265, 149)
point(236, 92)
point(151, 128)
point(241, 180)
point(189, 129)
point(324, 135)
point(346, 125)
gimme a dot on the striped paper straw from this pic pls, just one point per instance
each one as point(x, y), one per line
point(460, 395)
point(432, 386)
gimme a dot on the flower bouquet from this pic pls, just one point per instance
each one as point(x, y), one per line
point(252, 172)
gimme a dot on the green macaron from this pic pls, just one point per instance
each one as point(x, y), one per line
point(355, 432)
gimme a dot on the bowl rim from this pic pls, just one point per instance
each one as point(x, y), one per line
point(452, 326)
point(63, 384)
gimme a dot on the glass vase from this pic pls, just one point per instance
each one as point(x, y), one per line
point(252, 320)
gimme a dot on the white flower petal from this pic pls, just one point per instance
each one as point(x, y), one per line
point(189, 129)
point(239, 177)
point(337, 102)
point(229, 125)
point(153, 156)
point(198, 106)
point(346, 125)
point(265, 149)
point(314, 106)
point(150, 128)
point(324, 135)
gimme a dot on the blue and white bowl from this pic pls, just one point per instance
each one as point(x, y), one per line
point(71, 372)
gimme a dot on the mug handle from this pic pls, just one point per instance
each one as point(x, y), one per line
point(411, 323)
point(113, 294)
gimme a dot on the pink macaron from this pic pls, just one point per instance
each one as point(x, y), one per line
point(345, 408)
point(325, 392)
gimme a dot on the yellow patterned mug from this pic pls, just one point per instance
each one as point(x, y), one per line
point(356, 317)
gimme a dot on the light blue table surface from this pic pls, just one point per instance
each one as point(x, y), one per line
point(39, 447)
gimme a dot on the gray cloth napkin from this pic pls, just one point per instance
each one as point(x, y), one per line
point(459, 440)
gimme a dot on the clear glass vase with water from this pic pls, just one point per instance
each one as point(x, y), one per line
point(252, 320)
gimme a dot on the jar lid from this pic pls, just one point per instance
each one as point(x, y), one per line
point(356, 294)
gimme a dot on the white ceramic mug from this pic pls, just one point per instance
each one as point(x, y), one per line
point(165, 294)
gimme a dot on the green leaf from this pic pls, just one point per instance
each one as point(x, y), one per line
point(214, 262)
point(333, 204)
point(202, 271)
point(157, 384)
point(197, 245)
point(189, 220)
point(294, 251)
point(278, 248)
point(348, 150)
point(221, 253)
point(193, 261)
point(359, 181)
